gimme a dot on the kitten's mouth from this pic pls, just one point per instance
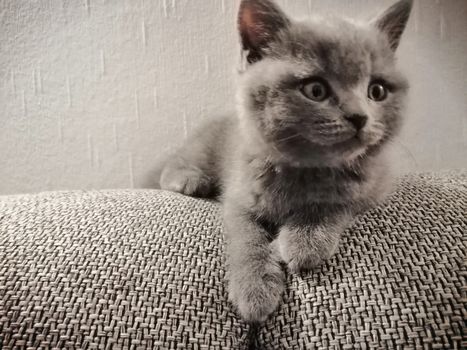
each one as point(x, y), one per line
point(304, 146)
point(356, 139)
point(348, 149)
point(351, 143)
point(359, 138)
point(307, 150)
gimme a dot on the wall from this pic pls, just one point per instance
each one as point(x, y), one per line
point(93, 92)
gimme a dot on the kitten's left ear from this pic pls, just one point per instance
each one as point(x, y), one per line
point(393, 21)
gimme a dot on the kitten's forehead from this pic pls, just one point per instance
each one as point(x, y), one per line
point(340, 49)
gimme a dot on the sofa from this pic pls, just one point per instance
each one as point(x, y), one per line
point(144, 269)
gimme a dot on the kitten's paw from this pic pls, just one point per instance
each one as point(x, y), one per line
point(257, 294)
point(188, 181)
point(303, 263)
point(302, 256)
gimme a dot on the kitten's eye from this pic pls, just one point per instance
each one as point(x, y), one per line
point(315, 90)
point(377, 92)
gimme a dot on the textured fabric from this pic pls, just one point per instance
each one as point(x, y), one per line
point(144, 269)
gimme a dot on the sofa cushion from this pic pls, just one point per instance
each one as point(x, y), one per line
point(145, 269)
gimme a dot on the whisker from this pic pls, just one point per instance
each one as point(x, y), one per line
point(287, 138)
point(406, 150)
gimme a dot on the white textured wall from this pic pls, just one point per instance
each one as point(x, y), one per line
point(92, 92)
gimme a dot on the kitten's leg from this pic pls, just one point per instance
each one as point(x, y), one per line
point(194, 169)
point(304, 246)
point(186, 177)
point(256, 280)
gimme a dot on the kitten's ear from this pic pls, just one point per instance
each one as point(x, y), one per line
point(259, 21)
point(393, 21)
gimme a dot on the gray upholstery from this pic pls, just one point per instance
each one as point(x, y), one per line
point(144, 269)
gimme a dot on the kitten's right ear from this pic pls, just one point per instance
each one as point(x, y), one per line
point(259, 22)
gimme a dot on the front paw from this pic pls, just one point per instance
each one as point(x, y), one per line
point(303, 262)
point(302, 253)
point(257, 292)
point(189, 181)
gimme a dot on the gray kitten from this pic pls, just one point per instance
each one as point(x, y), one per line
point(317, 104)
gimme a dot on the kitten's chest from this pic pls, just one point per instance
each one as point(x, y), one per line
point(280, 192)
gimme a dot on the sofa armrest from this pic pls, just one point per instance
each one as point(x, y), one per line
point(145, 269)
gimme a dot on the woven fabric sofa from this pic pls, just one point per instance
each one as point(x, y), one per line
point(144, 269)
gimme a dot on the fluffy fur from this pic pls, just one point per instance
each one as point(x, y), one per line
point(291, 171)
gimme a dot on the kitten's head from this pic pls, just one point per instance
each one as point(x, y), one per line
point(321, 92)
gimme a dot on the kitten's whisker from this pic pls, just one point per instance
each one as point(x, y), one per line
point(288, 138)
point(405, 149)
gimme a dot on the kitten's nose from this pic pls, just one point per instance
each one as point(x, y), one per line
point(358, 120)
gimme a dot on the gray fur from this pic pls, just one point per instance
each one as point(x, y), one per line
point(292, 172)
